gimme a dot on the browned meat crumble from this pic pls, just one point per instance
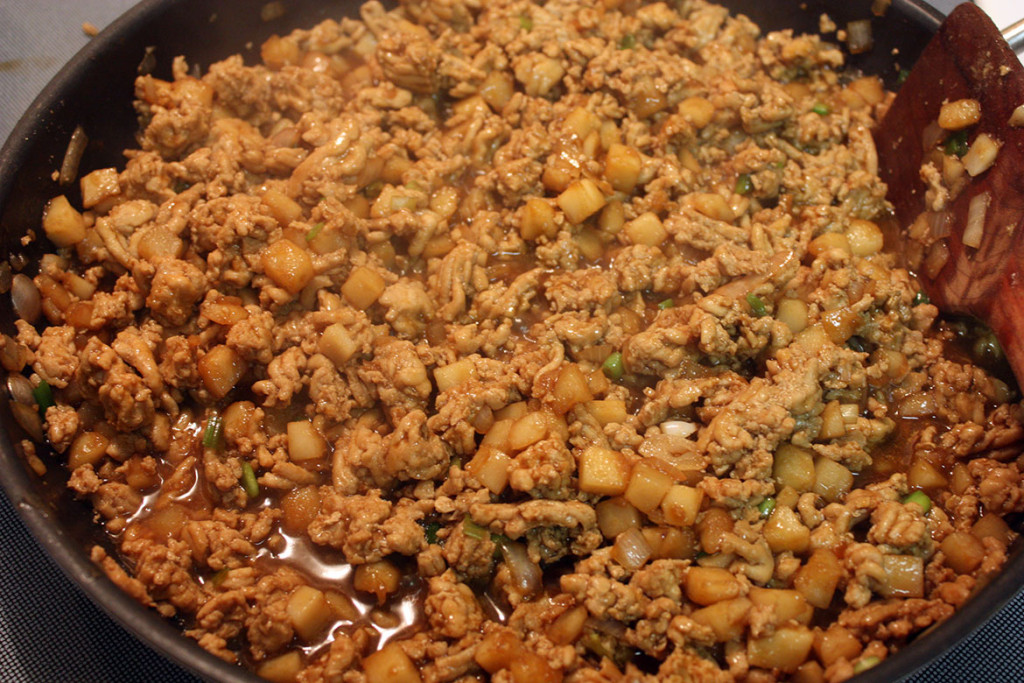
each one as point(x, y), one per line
point(518, 342)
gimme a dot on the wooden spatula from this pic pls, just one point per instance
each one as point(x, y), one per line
point(967, 59)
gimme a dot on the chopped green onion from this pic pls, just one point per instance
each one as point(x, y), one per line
point(474, 530)
point(372, 191)
point(214, 429)
point(743, 184)
point(628, 42)
point(314, 231)
point(525, 21)
point(218, 578)
point(921, 499)
point(902, 76)
point(820, 109)
point(249, 483)
point(430, 530)
point(757, 306)
point(766, 507)
point(667, 303)
point(780, 164)
point(43, 395)
point(612, 366)
point(594, 643)
point(921, 298)
point(865, 664)
point(956, 144)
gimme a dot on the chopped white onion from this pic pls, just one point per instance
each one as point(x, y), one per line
point(20, 389)
point(939, 223)
point(859, 37)
point(631, 549)
point(976, 220)
point(526, 574)
point(678, 428)
point(981, 155)
point(1017, 117)
point(73, 156)
point(25, 298)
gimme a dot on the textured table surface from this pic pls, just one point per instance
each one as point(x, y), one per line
point(49, 630)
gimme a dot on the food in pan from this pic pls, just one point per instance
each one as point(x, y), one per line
point(528, 342)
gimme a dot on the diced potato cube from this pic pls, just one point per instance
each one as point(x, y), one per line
point(497, 89)
point(537, 220)
point(681, 505)
point(305, 443)
point(963, 551)
point(792, 313)
point(832, 481)
point(571, 388)
point(99, 186)
point(527, 430)
point(363, 287)
point(817, 580)
point(714, 522)
point(832, 424)
point(490, 467)
point(88, 448)
point(904, 576)
point(381, 578)
point(698, 111)
point(622, 167)
point(727, 618)
point(221, 369)
point(992, 526)
point(864, 237)
point(826, 242)
point(647, 487)
point(785, 649)
point(454, 374)
point(608, 411)
point(708, 585)
point(300, 507)
point(836, 643)
point(612, 218)
point(288, 265)
point(923, 475)
point(581, 122)
point(786, 604)
point(840, 324)
point(308, 611)
point(281, 669)
point(338, 345)
point(283, 208)
point(603, 472)
point(616, 515)
point(646, 229)
point(794, 466)
point(159, 242)
point(390, 664)
point(713, 205)
point(812, 339)
point(671, 543)
point(568, 626)
point(784, 531)
point(959, 114)
point(62, 223)
point(512, 411)
point(582, 199)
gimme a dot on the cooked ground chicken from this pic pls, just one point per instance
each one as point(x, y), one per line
point(519, 342)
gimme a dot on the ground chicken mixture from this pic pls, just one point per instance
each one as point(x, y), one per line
point(519, 342)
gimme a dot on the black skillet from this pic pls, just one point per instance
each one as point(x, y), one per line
point(95, 91)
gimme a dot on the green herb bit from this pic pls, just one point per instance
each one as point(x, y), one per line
point(430, 530)
point(474, 530)
point(921, 499)
point(43, 395)
point(743, 184)
point(594, 643)
point(902, 76)
point(218, 578)
point(314, 231)
point(820, 109)
point(372, 191)
point(865, 664)
point(249, 483)
point(628, 42)
point(766, 507)
point(525, 22)
point(667, 303)
point(921, 298)
point(214, 430)
point(757, 306)
point(612, 366)
point(956, 144)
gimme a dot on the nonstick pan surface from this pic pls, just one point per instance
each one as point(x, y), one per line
point(95, 90)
